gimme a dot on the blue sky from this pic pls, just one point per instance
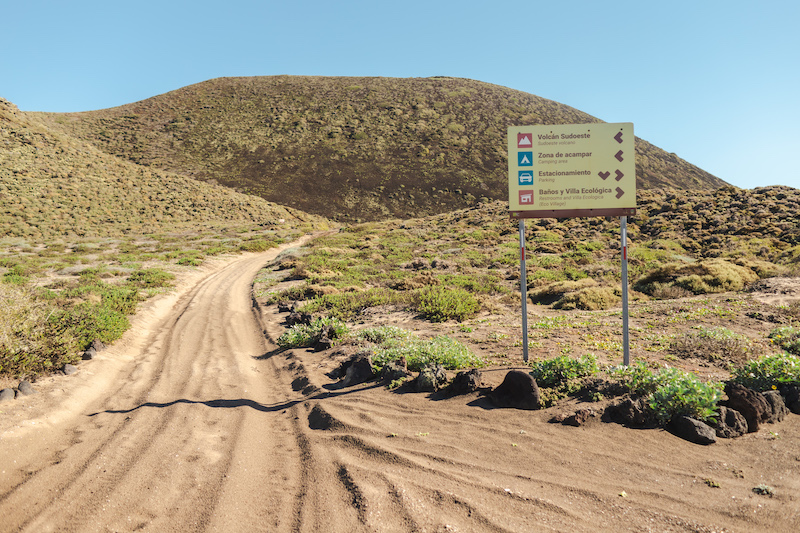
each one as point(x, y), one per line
point(715, 82)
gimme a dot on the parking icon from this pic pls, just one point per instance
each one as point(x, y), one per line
point(525, 177)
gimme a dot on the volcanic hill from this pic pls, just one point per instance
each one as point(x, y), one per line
point(348, 148)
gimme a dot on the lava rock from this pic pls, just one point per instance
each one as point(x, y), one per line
point(465, 382)
point(69, 369)
point(791, 394)
point(358, 370)
point(89, 354)
point(7, 394)
point(778, 405)
point(431, 378)
point(518, 390)
point(629, 412)
point(25, 388)
point(394, 370)
point(579, 418)
point(731, 423)
point(692, 430)
point(98, 345)
point(752, 404)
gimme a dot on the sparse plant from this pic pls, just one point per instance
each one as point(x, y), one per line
point(713, 344)
point(787, 337)
point(680, 393)
point(559, 370)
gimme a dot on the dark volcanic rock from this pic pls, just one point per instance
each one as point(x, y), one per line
point(431, 378)
point(394, 370)
point(629, 412)
point(465, 382)
point(358, 370)
point(778, 405)
point(518, 390)
point(731, 423)
point(25, 388)
point(89, 354)
point(579, 418)
point(692, 430)
point(7, 394)
point(752, 404)
point(98, 345)
point(791, 394)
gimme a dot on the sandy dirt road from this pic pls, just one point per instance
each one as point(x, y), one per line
point(195, 421)
point(182, 428)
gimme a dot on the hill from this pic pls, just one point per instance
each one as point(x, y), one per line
point(342, 147)
point(53, 185)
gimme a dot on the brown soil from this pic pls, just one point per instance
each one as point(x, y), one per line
point(195, 421)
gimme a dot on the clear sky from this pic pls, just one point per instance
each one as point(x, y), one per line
point(716, 82)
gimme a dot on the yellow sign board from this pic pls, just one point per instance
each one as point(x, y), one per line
point(571, 170)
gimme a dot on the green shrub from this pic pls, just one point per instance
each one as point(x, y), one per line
point(438, 304)
point(702, 277)
point(768, 372)
point(382, 334)
point(559, 370)
point(680, 393)
point(306, 335)
point(150, 278)
point(347, 305)
point(419, 353)
point(787, 337)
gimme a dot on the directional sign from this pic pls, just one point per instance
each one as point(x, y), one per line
point(571, 170)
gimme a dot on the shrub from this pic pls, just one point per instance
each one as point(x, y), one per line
point(150, 278)
point(439, 304)
point(680, 393)
point(305, 335)
point(702, 277)
point(349, 304)
point(589, 299)
point(559, 370)
point(419, 353)
point(713, 343)
point(787, 337)
point(768, 372)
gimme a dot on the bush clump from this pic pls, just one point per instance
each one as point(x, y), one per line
point(787, 337)
point(393, 344)
point(702, 277)
point(768, 372)
point(713, 344)
point(306, 335)
point(438, 304)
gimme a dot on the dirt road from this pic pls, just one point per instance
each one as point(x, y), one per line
point(182, 429)
point(194, 421)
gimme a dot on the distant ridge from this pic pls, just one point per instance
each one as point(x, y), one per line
point(346, 148)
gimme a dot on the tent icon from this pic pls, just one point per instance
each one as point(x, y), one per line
point(525, 159)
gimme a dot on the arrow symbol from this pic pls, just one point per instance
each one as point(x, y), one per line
point(619, 175)
point(618, 137)
point(620, 192)
point(604, 175)
point(618, 155)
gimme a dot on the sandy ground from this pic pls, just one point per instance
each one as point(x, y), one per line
point(195, 421)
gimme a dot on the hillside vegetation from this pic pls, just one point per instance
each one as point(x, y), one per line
point(52, 185)
point(346, 148)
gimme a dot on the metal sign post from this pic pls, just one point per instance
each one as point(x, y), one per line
point(626, 357)
point(523, 287)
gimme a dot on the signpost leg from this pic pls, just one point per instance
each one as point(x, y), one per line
point(626, 358)
point(523, 287)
